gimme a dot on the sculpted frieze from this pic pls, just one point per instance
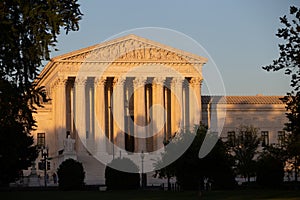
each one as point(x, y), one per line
point(129, 50)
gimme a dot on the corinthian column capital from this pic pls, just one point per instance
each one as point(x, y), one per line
point(80, 81)
point(139, 81)
point(62, 81)
point(119, 81)
point(59, 81)
point(177, 80)
point(196, 81)
point(159, 80)
point(99, 81)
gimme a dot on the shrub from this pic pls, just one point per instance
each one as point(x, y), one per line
point(70, 175)
point(270, 172)
point(115, 179)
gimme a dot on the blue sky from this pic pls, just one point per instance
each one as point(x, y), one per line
point(238, 35)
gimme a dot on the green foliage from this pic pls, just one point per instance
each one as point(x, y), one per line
point(16, 145)
point(28, 30)
point(244, 150)
point(70, 175)
point(270, 170)
point(289, 61)
point(189, 170)
point(120, 180)
point(219, 167)
point(292, 128)
point(289, 58)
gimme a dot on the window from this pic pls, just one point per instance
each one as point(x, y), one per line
point(281, 138)
point(241, 136)
point(245, 136)
point(41, 140)
point(231, 138)
point(265, 138)
point(248, 136)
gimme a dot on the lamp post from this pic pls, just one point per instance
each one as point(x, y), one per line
point(45, 155)
point(142, 177)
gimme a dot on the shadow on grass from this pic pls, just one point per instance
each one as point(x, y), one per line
point(152, 195)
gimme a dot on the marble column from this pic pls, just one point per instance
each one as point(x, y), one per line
point(80, 111)
point(185, 105)
point(72, 106)
point(195, 100)
point(139, 113)
point(191, 108)
point(100, 138)
point(176, 104)
point(159, 117)
point(109, 117)
point(60, 114)
point(90, 116)
point(118, 112)
point(149, 140)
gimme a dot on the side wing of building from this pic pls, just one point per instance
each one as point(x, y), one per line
point(267, 113)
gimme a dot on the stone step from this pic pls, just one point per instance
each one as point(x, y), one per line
point(94, 169)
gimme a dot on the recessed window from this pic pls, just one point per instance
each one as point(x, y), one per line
point(41, 140)
point(281, 138)
point(265, 138)
point(231, 138)
point(248, 136)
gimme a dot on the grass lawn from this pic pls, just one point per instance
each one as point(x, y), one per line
point(152, 195)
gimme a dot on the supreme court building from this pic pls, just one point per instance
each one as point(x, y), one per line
point(131, 95)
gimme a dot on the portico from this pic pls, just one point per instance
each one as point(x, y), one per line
point(123, 96)
point(134, 113)
point(131, 95)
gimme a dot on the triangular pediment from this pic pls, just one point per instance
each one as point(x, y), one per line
point(130, 48)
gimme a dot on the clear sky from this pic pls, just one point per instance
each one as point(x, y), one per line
point(239, 35)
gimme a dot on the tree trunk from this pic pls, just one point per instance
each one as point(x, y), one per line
point(169, 184)
point(296, 170)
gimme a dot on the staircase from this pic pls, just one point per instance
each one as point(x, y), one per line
point(94, 169)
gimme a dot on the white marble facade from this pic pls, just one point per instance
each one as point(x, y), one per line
point(131, 92)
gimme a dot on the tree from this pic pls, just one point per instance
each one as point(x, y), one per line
point(70, 175)
point(189, 170)
point(270, 167)
point(16, 145)
point(28, 30)
point(115, 179)
point(186, 168)
point(218, 167)
point(244, 151)
point(165, 172)
point(289, 61)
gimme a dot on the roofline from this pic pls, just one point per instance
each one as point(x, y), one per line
point(134, 37)
point(225, 99)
